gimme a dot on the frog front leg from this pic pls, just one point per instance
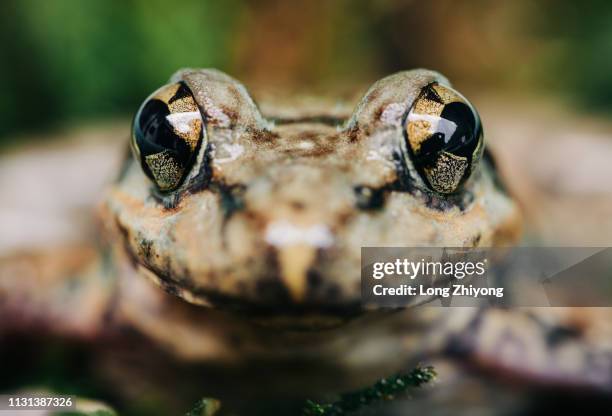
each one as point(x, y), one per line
point(64, 291)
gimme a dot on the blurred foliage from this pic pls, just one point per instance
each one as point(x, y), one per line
point(386, 389)
point(94, 413)
point(205, 407)
point(578, 49)
point(69, 60)
point(66, 368)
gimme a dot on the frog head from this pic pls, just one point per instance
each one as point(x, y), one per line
point(226, 206)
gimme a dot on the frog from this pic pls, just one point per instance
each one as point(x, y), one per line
point(232, 237)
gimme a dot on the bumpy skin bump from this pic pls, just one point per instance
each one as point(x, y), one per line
point(272, 215)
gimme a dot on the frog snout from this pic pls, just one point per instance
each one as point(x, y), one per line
point(296, 214)
point(296, 249)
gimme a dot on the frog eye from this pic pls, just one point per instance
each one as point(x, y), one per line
point(166, 134)
point(444, 137)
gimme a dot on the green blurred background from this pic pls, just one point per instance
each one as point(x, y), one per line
point(69, 61)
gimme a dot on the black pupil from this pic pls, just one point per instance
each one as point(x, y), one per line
point(457, 133)
point(154, 134)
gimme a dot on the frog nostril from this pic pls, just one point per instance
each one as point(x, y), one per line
point(232, 198)
point(368, 198)
point(297, 205)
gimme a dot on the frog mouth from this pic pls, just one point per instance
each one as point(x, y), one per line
point(270, 297)
point(278, 302)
